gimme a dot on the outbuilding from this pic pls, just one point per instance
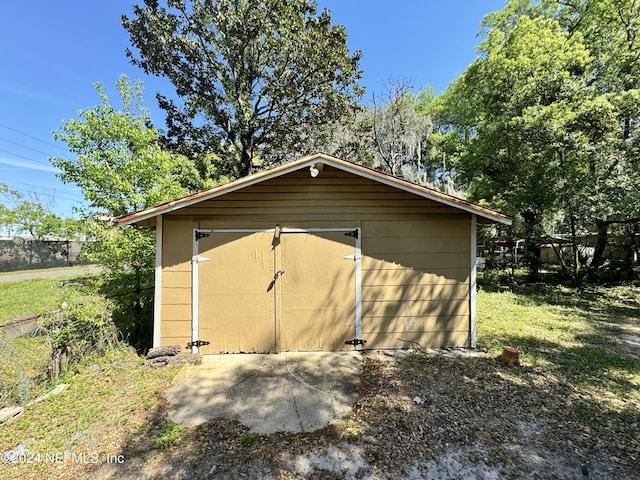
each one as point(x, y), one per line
point(315, 254)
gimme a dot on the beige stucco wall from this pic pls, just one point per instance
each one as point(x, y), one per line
point(415, 261)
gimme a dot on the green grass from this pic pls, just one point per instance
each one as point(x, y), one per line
point(23, 375)
point(576, 337)
point(169, 434)
point(107, 406)
point(24, 360)
point(38, 295)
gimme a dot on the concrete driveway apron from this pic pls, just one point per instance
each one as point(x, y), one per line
point(292, 392)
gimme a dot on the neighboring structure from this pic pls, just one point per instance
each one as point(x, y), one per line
point(316, 254)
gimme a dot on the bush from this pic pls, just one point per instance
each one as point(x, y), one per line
point(127, 256)
point(24, 368)
point(82, 329)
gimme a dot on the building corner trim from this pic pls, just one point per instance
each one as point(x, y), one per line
point(473, 285)
point(157, 293)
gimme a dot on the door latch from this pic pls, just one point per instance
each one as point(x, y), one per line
point(273, 281)
point(355, 342)
point(197, 343)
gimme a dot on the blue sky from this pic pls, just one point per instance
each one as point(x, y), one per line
point(51, 53)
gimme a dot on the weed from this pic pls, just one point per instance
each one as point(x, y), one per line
point(248, 438)
point(418, 363)
point(403, 423)
point(170, 434)
point(85, 327)
point(351, 430)
point(24, 363)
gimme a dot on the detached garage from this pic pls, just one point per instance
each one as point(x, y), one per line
point(316, 254)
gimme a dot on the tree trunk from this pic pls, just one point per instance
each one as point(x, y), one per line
point(246, 154)
point(631, 231)
point(575, 265)
point(533, 255)
point(532, 244)
point(601, 245)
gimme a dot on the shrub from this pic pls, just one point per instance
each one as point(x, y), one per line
point(82, 329)
point(24, 363)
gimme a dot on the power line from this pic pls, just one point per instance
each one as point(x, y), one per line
point(26, 158)
point(41, 188)
point(24, 146)
point(52, 196)
point(34, 138)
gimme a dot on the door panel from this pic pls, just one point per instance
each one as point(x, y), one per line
point(317, 291)
point(236, 313)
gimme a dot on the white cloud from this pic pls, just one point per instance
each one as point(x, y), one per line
point(31, 94)
point(28, 165)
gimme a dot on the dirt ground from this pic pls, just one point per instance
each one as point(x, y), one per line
point(442, 416)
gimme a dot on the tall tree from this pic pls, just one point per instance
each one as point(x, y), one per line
point(549, 113)
point(258, 79)
point(120, 167)
point(611, 29)
point(399, 129)
point(395, 134)
point(31, 216)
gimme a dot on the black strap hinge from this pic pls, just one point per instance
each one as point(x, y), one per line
point(197, 343)
point(353, 233)
point(355, 342)
point(200, 235)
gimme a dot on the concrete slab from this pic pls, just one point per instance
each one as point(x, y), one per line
point(292, 392)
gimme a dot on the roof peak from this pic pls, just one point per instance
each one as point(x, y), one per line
point(310, 161)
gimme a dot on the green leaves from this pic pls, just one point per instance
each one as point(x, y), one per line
point(120, 167)
point(549, 113)
point(261, 79)
point(534, 106)
point(118, 162)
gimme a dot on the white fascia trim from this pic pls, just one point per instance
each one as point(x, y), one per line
point(473, 286)
point(194, 293)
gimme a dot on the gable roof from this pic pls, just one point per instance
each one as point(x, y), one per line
point(486, 214)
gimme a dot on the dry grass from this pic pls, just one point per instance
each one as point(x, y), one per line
point(110, 399)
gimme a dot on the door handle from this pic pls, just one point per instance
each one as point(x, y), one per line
point(273, 281)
